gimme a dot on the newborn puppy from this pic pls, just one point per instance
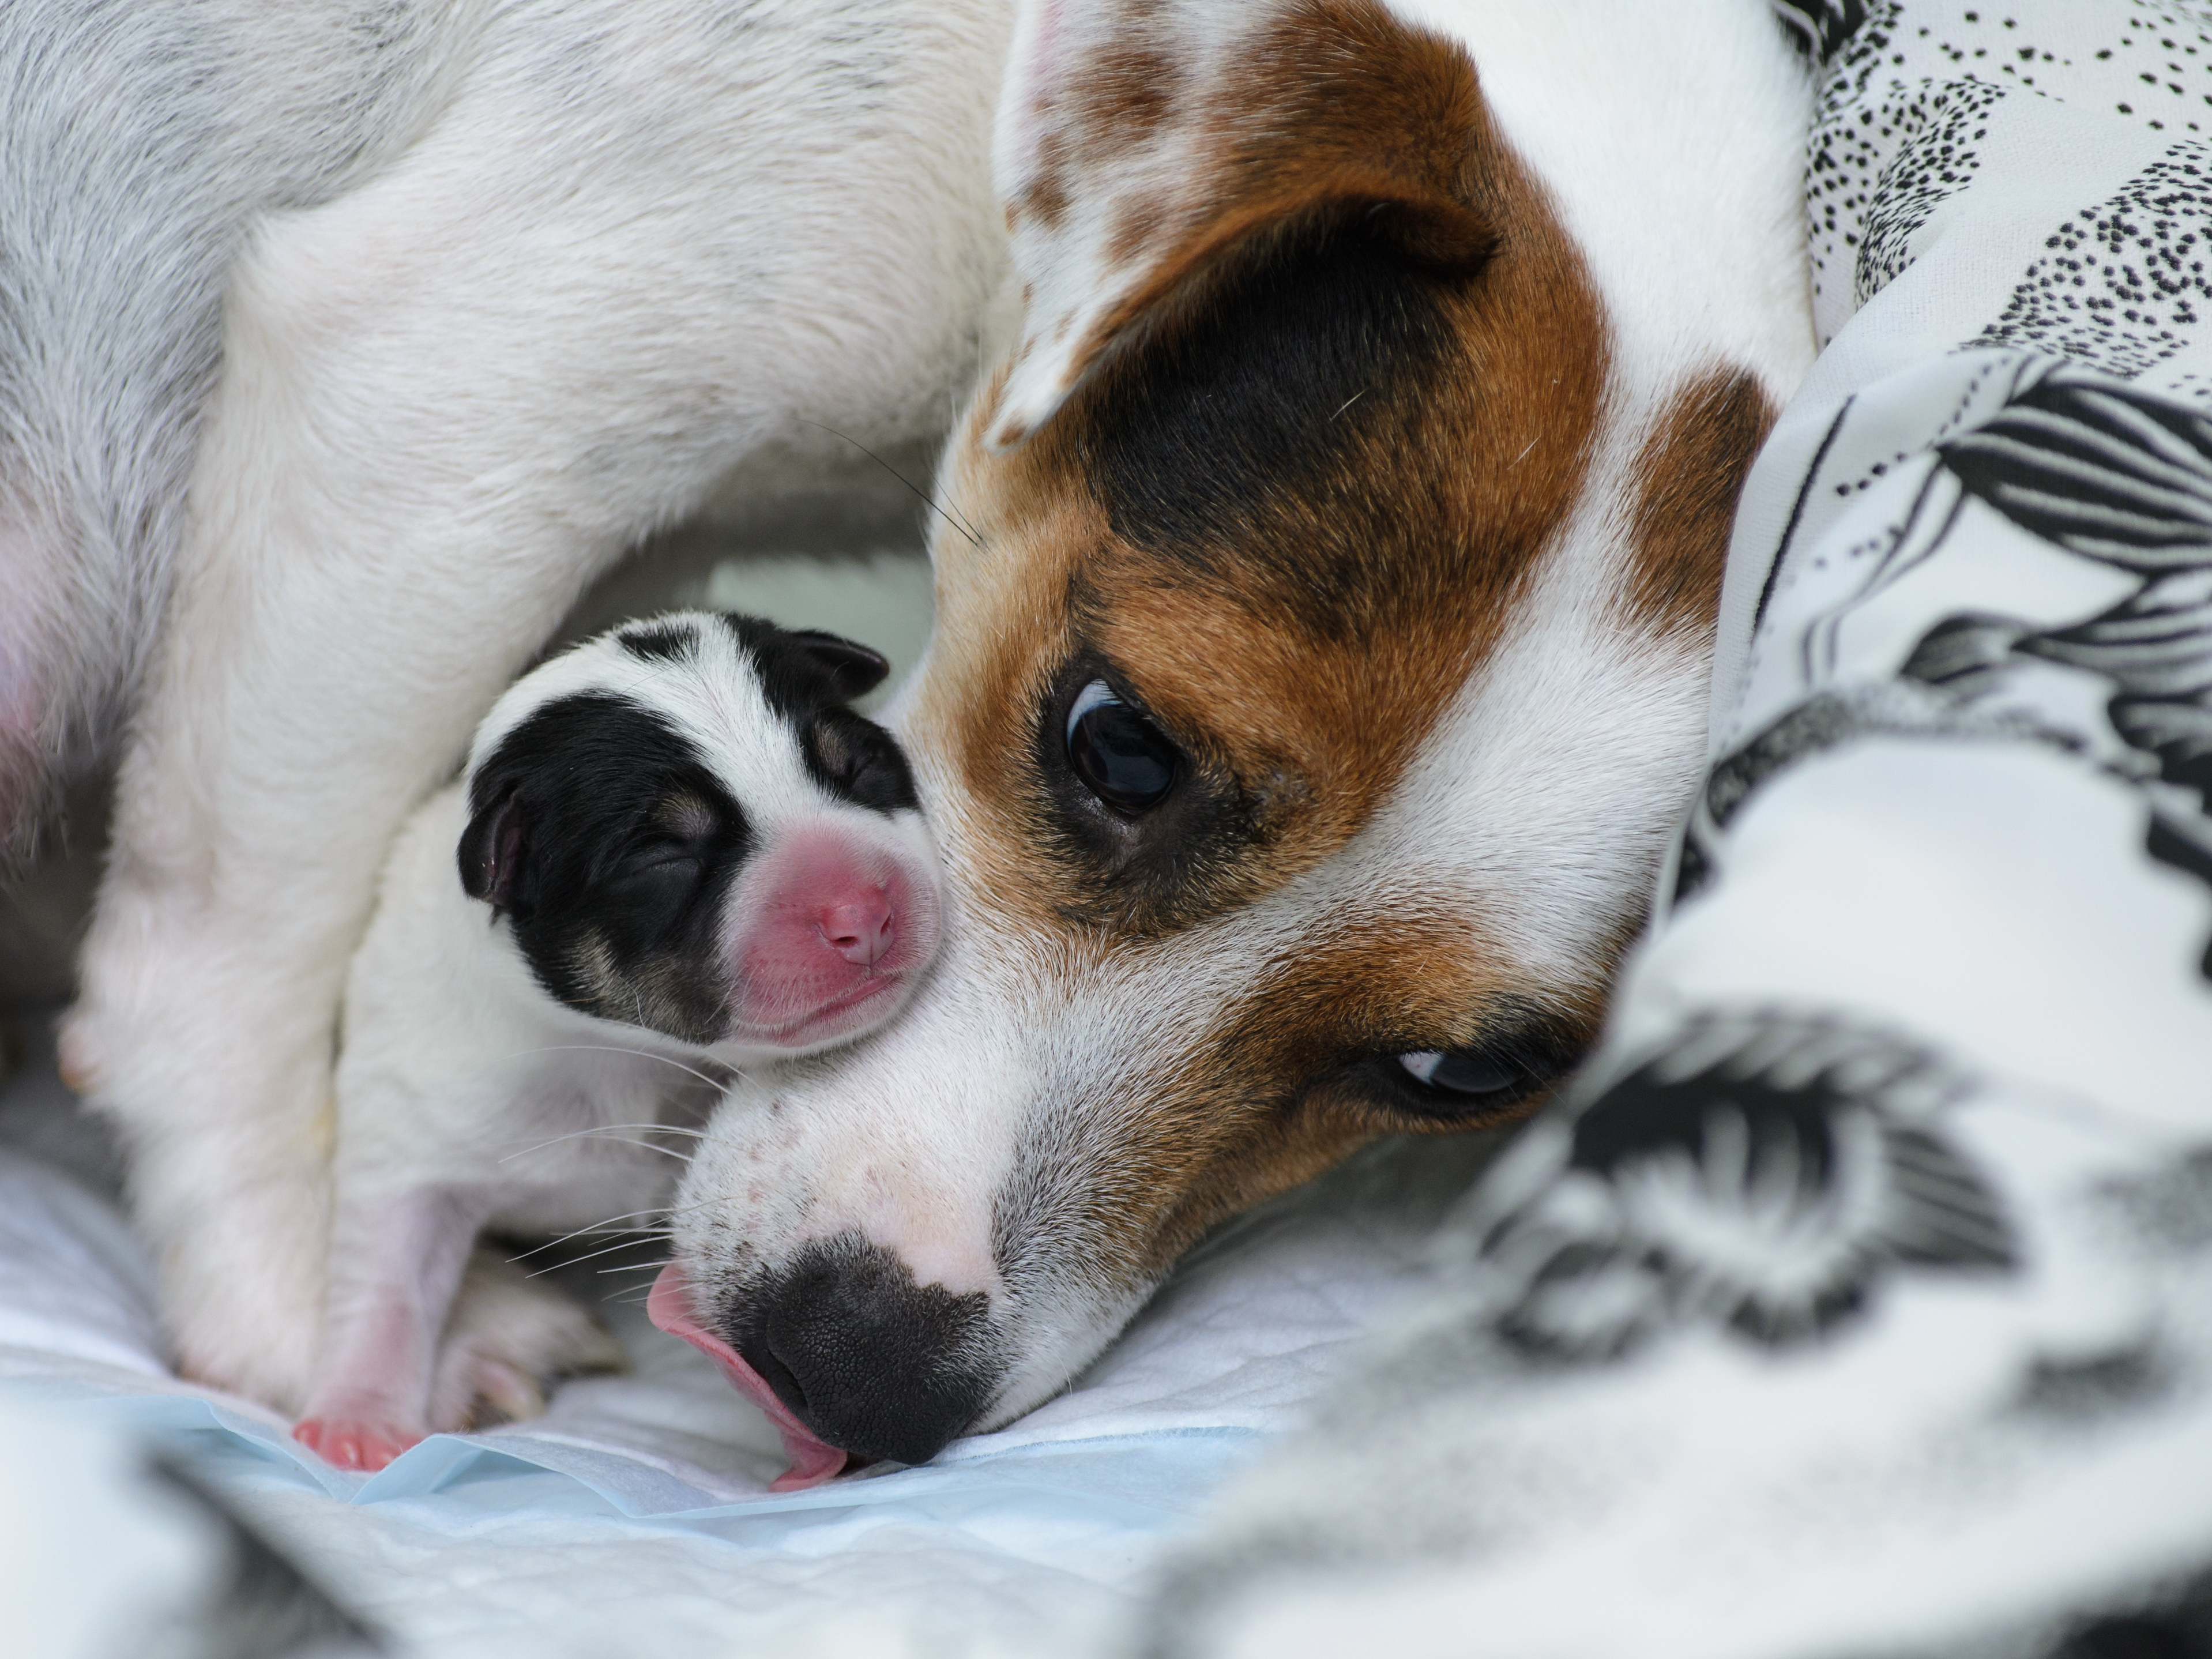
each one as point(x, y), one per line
point(675, 851)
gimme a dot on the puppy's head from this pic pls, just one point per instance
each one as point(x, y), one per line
point(688, 829)
point(1320, 661)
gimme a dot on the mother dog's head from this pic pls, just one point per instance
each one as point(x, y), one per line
point(1321, 656)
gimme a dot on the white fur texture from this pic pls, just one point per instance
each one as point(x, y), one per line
point(468, 1095)
point(603, 250)
point(138, 145)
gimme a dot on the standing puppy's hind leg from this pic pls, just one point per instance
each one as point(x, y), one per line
point(391, 1374)
point(509, 1336)
point(394, 1270)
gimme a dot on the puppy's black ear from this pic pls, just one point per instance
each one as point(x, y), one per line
point(853, 668)
point(491, 853)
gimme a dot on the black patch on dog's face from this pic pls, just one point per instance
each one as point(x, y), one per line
point(599, 830)
point(803, 668)
point(664, 642)
point(1257, 399)
point(857, 761)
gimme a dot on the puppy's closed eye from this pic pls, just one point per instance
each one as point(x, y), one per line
point(656, 884)
point(657, 876)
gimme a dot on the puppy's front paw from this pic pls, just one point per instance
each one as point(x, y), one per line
point(347, 1443)
point(509, 1335)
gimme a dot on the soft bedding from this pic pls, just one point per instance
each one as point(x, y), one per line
point(634, 1516)
point(1856, 1298)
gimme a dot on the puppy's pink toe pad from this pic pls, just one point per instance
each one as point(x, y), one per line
point(345, 1444)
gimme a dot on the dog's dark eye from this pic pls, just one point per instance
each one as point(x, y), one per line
point(1126, 760)
point(1453, 1083)
point(1461, 1071)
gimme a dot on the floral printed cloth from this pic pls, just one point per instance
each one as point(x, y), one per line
point(1856, 1298)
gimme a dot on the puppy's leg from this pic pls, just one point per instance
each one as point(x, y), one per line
point(398, 1366)
point(395, 1267)
point(508, 1336)
point(397, 498)
point(373, 553)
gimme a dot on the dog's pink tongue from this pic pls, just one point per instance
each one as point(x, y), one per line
point(812, 1459)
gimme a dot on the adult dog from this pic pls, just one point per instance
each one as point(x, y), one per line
point(1321, 645)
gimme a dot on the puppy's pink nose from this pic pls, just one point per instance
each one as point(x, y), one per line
point(860, 927)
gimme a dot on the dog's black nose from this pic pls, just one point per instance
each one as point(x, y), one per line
point(870, 1360)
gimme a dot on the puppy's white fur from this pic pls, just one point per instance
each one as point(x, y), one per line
point(469, 1095)
point(535, 298)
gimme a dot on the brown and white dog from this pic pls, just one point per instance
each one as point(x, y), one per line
point(1321, 658)
point(1321, 647)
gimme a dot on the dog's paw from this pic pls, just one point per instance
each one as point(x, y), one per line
point(509, 1336)
point(348, 1443)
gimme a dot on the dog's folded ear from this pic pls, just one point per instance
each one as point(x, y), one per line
point(853, 668)
point(1138, 148)
point(491, 852)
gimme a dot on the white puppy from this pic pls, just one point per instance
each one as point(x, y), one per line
point(678, 851)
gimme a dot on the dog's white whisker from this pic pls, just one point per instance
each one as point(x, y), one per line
point(595, 1133)
point(612, 1224)
point(925, 500)
point(578, 1260)
point(615, 1049)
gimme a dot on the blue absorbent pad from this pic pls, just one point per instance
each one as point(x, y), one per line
point(634, 1515)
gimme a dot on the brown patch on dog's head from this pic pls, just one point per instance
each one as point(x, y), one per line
point(1126, 92)
point(1690, 473)
point(1328, 110)
point(1344, 415)
point(1339, 112)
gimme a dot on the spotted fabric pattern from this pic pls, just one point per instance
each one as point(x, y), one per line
point(2125, 281)
point(1940, 129)
point(1899, 130)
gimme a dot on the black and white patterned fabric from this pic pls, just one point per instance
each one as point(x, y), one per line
point(1856, 1299)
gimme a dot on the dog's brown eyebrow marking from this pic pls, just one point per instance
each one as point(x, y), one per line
point(685, 814)
point(1691, 472)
